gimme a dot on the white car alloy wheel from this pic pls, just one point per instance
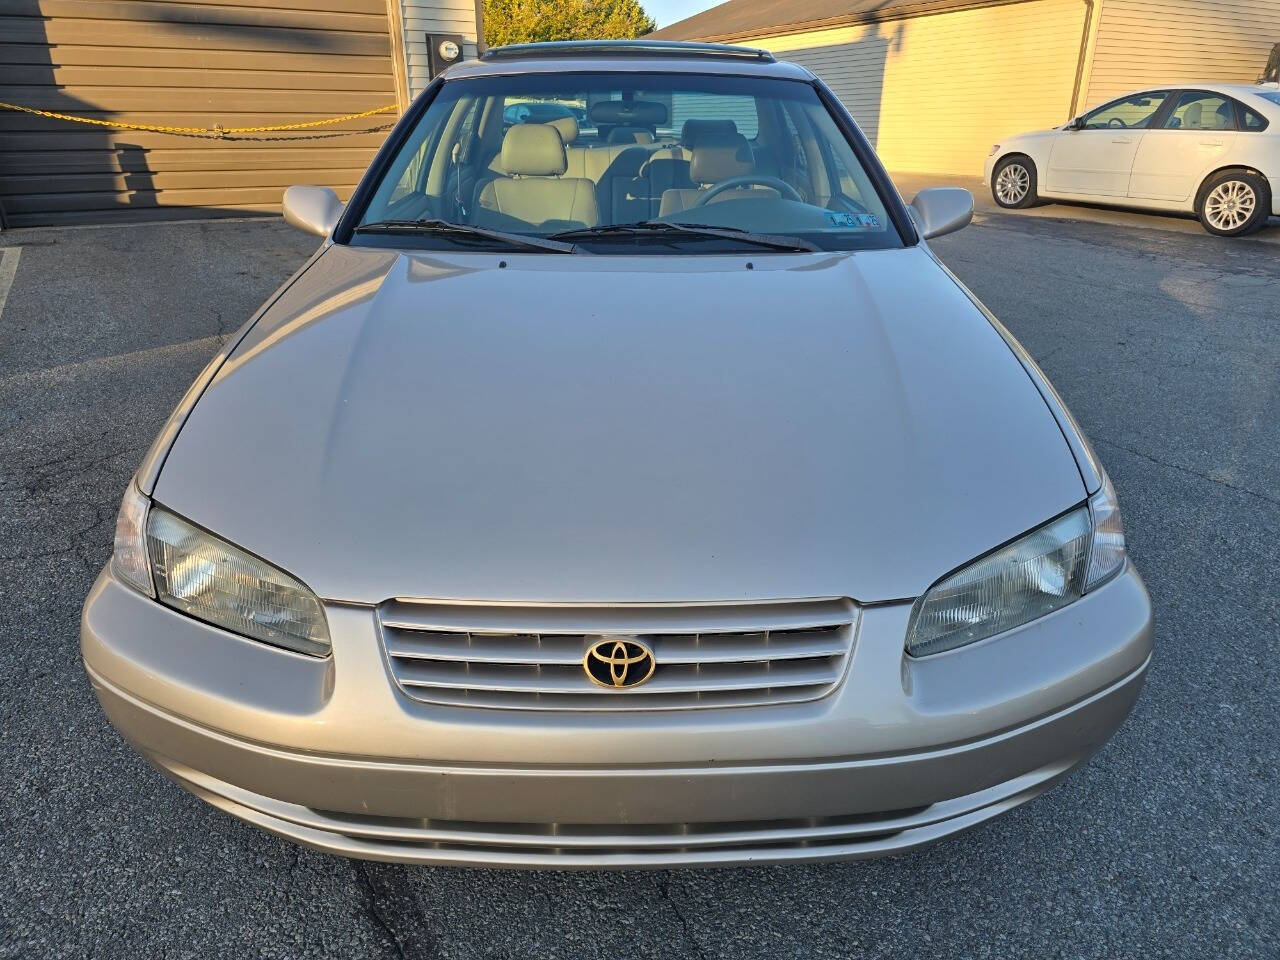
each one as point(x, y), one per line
point(1230, 205)
point(1012, 184)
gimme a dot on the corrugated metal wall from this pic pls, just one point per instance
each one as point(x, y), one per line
point(1153, 42)
point(933, 93)
point(236, 62)
point(424, 17)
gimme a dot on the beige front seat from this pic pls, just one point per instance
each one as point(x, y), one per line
point(715, 157)
point(534, 191)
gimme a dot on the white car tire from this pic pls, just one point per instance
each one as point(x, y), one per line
point(1234, 203)
point(1014, 183)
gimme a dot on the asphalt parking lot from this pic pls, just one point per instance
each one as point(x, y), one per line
point(1166, 345)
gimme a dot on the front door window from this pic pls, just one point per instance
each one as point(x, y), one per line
point(1131, 113)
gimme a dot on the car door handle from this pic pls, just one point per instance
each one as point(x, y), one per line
point(1210, 143)
point(1124, 140)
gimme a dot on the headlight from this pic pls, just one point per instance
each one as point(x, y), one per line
point(1106, 557)
point(205, 577)
point(129, 558)
point(1038, 573)
point(994, 150)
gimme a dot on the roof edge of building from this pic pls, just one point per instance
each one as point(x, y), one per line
point(922, 9)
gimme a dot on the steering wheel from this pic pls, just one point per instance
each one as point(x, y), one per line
point(1117, 123)
point(751, 179)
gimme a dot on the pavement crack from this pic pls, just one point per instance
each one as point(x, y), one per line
point(374, 912)
point(664, 888)
point(391, 908)
point(1187, 470)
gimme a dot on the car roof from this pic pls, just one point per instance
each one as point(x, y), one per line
point(628, 56)
point(1249, 92)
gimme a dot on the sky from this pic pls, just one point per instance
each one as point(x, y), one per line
point(667, 12)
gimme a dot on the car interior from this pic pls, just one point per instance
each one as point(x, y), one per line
point(627, 166)
point(517, 165)
point(1206, 113)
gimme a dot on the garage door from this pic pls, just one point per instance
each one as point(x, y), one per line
point(237, 63)
point(935, 92)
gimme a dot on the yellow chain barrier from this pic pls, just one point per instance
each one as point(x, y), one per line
point(217, 131)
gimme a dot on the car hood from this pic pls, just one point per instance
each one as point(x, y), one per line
point(1035, 136)
point(620, 429)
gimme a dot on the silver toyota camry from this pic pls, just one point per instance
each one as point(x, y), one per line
point(623, 483)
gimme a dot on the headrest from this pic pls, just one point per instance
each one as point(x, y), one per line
point(721, 156)
point(629, 135)
point(568, 127)
point(620, 113)
point(1194, 117)
point(533, 150)
point(694, 128)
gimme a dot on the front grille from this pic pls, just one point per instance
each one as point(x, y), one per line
point(651, 839)
point(530, 657)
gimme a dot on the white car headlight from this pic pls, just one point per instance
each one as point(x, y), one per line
point(208, 578)
point(994, 150)
point(1038, 573)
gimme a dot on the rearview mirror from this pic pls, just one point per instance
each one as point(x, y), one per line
point(942, 210)
point(312, 209)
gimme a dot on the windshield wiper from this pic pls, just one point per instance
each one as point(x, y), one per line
point(444, 228)
point(659, 227)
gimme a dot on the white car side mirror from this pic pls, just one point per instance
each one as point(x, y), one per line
point(942, 210)
point(312, 209)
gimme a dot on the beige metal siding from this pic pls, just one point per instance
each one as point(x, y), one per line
point(237, 63)
point(1154, 42)
point(933, 93)
point(423, 17)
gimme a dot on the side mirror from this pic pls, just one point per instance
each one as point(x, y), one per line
point(312, 209)
point(1076, 124)
point(942, 210)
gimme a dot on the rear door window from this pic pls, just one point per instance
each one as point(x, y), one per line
point(1198, 111)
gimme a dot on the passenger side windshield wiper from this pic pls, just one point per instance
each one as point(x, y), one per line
point(655, 228)
point(444, 228)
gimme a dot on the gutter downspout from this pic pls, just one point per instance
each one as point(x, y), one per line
point(481, 46)
point(399, 54)
point(1090, 9)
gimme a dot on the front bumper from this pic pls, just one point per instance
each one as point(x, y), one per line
point(905, 752)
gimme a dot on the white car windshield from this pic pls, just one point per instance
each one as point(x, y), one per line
point(627, 162)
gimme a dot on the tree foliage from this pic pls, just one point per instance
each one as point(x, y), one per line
point(531, 21)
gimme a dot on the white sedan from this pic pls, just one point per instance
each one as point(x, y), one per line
point(1210, 149)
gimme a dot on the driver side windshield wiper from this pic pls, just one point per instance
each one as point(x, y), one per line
point(655, 228)
point(444, 228)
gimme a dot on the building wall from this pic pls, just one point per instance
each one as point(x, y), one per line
point(238, 63)
point(1154, 42)
point(423, 17)
point(933, 93)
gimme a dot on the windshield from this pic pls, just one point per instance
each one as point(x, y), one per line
point(627, 162)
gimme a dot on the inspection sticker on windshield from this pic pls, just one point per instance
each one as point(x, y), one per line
point(854, 221)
